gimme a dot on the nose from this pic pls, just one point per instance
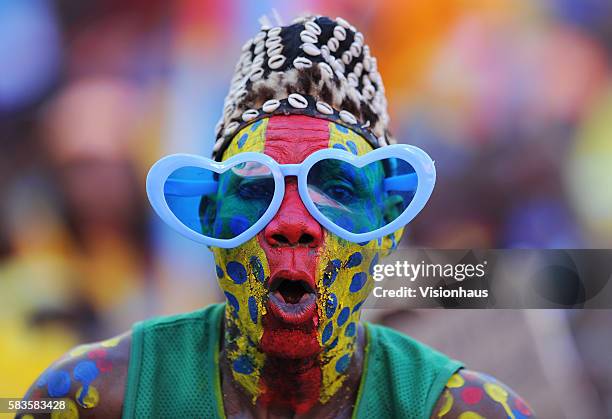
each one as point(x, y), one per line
point(293, 225)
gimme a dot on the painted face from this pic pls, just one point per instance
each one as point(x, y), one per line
point(295, 290)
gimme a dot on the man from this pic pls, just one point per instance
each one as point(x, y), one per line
point(296, 220)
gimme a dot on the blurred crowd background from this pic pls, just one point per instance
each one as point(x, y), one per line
point(513, 99)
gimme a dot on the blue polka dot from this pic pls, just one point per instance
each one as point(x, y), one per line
point(237, 272)
point(379, 240)
point(358, 281)
point(354, 260)
point(242, 140)
point(341, 128)
point(343, 316)
point(220, 273)
point(327, 332)
point(58, 383)
point(257, 268)
point(333, 344)
point(339, 146)
point(358, 306)
point(343, 363)
point(332, 304)
point(351, 145)
point(393, 242)
point(253, 309)
point(350, 330)
point(85, 372)
point(243, 365)
point(518, 415)
point(363, 243)
point(239, 224)
point(331, 272)
point(256, 125)
point(232, 301)
point(373, 263)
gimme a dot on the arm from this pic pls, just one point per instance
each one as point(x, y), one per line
point(473, 395)
point(90, 379)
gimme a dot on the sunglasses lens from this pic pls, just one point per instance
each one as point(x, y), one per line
point(220, 206)
point(361, 200)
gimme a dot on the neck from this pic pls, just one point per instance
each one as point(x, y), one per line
point(283, 387)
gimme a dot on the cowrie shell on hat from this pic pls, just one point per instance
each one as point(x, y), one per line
point(343, 22)
point(258, 60)
point(340, 33)
point(325, 53)
point(276, 61)
point(247, 45)
point(249, 114)
point(348, 117)
point(358, 69)
point(231, 127)
point(297, 101)
point(256, 74)
point(347, 57)
point(359, 37)
point(355, 49)
point(311, 49)
point(270, 105)
point(324, 108)
point(333, 44)
point(302, 62)
point(275, 31)
point(260, 36)
point(326, 69)
point(313, 27)
point(275, 40)
point(352, 79)
point(259, 47)
point(275, 50)
point(307, 36)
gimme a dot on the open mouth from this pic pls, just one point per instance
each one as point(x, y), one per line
point(291, 300)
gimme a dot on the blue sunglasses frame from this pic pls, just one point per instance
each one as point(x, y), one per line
point(422, 181)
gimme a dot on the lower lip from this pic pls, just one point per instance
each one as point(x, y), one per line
point(293, 313)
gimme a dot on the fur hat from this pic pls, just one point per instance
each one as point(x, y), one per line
point(315, 66)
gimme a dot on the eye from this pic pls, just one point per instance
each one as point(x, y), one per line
point(340, 192)
point(256, 189)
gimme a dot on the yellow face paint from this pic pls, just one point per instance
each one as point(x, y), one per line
point(343, 283)
point(447, 404)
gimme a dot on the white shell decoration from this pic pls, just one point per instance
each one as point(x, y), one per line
point(340, 33)
point(259, 47)
point(324, 108)
point(311, 49)
point(249, 114)
point(348, 117)
point(359, 38)
point(276, 50)
point(231, 127)
point(297, 101)
point(342, 22)
point(276, 62)
point(358, 69)
point(333, 44)
point(247, 45)
point(355, 49)
point(275, 40)
point(313, 27)
point(302, 62)
point(347, 57)
point(353, 80)
point(256, 74)
point(274, 31)
point(326, 69)
point(307, 36)
point(270, 105)
point(260, 36)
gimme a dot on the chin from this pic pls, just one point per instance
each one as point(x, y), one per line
point(290, 341)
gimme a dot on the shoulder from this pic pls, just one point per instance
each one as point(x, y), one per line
point(473, 395)
point(90, 379)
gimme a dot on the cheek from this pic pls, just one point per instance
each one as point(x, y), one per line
point(242, 273)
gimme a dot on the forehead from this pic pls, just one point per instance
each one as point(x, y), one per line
point(292, 138)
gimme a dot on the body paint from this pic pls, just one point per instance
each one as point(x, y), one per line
point(341, 270)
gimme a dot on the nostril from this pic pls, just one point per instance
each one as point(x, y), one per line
point(279, 238)
point(306, 239)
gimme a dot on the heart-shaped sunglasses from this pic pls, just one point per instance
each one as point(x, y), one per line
point(358, 198)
